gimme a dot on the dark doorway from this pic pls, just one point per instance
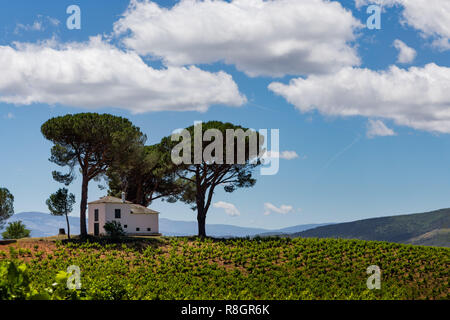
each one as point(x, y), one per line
point(96, 229)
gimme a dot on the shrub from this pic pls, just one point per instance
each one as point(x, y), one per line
point(15, 284)
point(16, 230)
point(114, 229)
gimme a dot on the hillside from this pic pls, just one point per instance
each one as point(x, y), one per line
point(45, 225)
point(290, 230)
point(267, 268)
point(439, 238)
point(186, 228)
point(429, 228)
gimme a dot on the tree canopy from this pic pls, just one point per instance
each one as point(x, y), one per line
point(150, 175)
point(6, 206)
point(228, 156)
point(92, 141)
point(61, 203)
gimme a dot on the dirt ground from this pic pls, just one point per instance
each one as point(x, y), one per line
point(35, 245)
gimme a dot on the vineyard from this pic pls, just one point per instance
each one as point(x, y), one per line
point(182, 268)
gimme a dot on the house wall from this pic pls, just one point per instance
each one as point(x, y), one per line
point(101, 217)
point(131, 221)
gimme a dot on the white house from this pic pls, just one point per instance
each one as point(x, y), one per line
point(135, 219)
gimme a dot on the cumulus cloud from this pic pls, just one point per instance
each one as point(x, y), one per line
point(430, 17)
point(95, 74)
point(377, 128)
point(230, 209)
point(286, 155)
point(259, 37)
point(418, 97)
point(405, 54)
point(283, 209)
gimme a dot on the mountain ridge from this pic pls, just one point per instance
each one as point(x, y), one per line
point(45, 225)
point(426, 228)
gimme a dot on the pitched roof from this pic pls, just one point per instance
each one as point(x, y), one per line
point(138, 209)
point(109, 199)
point(135, 208)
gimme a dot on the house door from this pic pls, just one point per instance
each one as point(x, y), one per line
point(96, 229)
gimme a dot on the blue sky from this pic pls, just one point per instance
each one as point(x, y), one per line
point(363, 148)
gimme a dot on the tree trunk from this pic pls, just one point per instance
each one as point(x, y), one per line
point(201, 219)
point(68, 227)
point(201, 213)
point(83, 205)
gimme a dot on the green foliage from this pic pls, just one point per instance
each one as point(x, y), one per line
point(16, 230)
point(15, 284)
point(100, 139)
point(150, 175)
point(265, 268)
point(6, 206)
point(201, 179)
point(93, 141)
point(61, 203)
point(114, 229)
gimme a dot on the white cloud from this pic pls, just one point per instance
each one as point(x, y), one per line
point(260, 37)
point(230, 209)
point(40, 24)
point(287, 155)
point(95, 74)
point(53, 21)
point(406, 54)
point(377, 128)
point(416, 97)
point(35, 26)
point(430, 17)
point(283, 209)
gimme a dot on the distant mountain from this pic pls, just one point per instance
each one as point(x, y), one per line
point(290, 230)
point(187, 228)
point(429, 228)
point(45, 225)
point(438, 238)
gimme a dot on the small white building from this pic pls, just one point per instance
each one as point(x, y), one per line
point(134, 218)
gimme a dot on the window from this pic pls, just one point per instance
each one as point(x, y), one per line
point(96, 215)
point(137, 229)
point(117, 214)
point(149, 229)
point(125, 226)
